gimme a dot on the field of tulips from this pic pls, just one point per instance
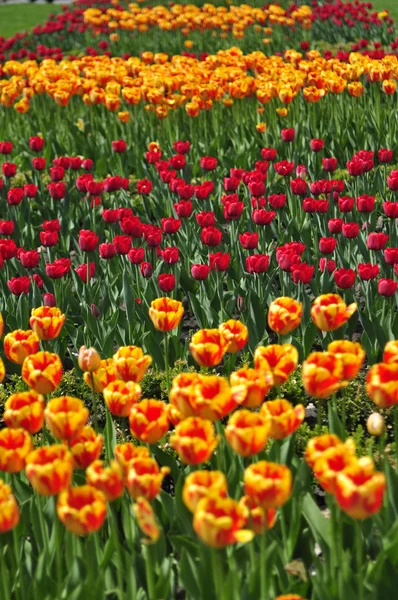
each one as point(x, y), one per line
point(198, 230)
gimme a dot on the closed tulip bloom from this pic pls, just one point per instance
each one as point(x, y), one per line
point(89, 359)
point(183, 394)
point(268, 484)
point(2, 370)
point(102, 376)
point(335, 225)
point(15, 445)
point(367, 271)
point(219, 261)
point(65, 417)
point(382, 384)
point(19, 344)
point(302, 272)
point(145, 478)
point(208, 347)
point(149, 420)
point(377, 241)
point(327, 245)
point(351, 355)
point(107, 479)
point(146, 520)
point(317, 445)
point(25, 410)
point(220, 522)
point(212, 398)
point(9, 511)
point(194, 440)
point(283, 417)
point(50, 469)
point(387, 287)
point(359, 489)
point(375, 424)
point(250, 386)
point(260, 519)
point(125, 453)
point(248, 240)
point(120, 396)
point(329, 312)
point(281, 360)
point(344, 278)
point(236, 334)
point(350, 230)
point(201, 484)
point(247, 432)
point(257, 263)
point(330, 463)
point(86, 447)
point(166, 313)
point(284, 315)
point(42, 372)
point(29, 259)
point(390, 354)
point(131, 363)
point(46, 322)
point(323, 374)
point(82, 509)
point(200, 272)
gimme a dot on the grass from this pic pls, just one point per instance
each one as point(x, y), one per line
point(390, 5)
point(16, 18)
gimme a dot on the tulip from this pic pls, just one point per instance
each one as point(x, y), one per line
point(247, 432)
point(328, 265)
point(149, 420)
point(146, 520)
point(24, 410)
point(316, 145)
point(330, 463)
point(50, 469)
point(9, 169)
point(250, 386)
point(86, 447)
point(19, 344)
point(317, 445)
point(208, 347)
point(120, 396)
point(377, 241)
point(42, 372)
point(284, 315)
point(200, 272)
point(350, 230)
point(81, 509)
point(390, 354)
point(201, 484)
point(88, 359)
point(282, 417)
point(329, 312)
point(124, 454)
point(108, 480)
point(166, 313)
point(260, 519)
point(281, 360)
point(367, 271)
point(183, 393)
point(146, 269)
point(257, 263)
point(15, 445)
point(302, 272)
point(145, 478)
point(194, 440)
point(19, 285)
point(49, 238)
point(387, 287)
point(236, 334)
point(344, 278)
point(382, 384)
point(131, 363)
point(329, 164)
point(36, 143)
point(46, 322)
point(351, 355)
point(359, 489)
point(220, 522)
point(6, 147)
point(9, 511)
point(219, 261)
point(102, 376)
point(267, 484)
point(375, 424)
point(65, 417)
point(166, 282)
point(29, 259)
point(249, 240)
point(323, 374)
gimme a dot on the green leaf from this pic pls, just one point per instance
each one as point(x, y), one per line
point(109, 435)
point(318, 524)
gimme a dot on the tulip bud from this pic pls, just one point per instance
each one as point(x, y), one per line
point(49, 300)
point(240, 304)
point(89, 359)
point(375, 424)
point(95, 311)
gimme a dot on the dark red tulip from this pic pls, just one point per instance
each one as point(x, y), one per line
point(110, 215)
point(53, 225)
point(136, 255)
point(36, 143)
point(344, 278)
point(153, 156)
point(170, 225)
point(9, 169)
point(329, 164)
point(88, 240)
point(257, 263)
point(87, 164)
point(367, 271)
point(58, 268)
point(284, 168)
point(258, 203)
point(387, 287)
point(377, 241)
point(219, 261)
point(248, 240)
point(5, 147)
point(146, 269)
point(298, 186)
point(153, 236)
point(391, 209)
point(39, 163)
point(29, 258)
point(8, 249)
point(49, 238)
point(233, 210)
point(256, 188)
point(38, 281)
point(392, 181)
point(122, 244)
point(178, 161)
point(327, 245)
point(166, 282)
point(384, 155)
point(107, 251)
point(49, 300)
point(203, 191)
point(200, 272)
point(57, 173)
point(119, 146)
point(231, 184)
point(211, 236)
point(19, 285)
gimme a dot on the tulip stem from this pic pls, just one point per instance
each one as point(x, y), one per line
point(149, 571)
point(166, 362)
point(58, 555)
point(217, 573)
point(94, 396)
point(396, 437)
point(263, 566)
point(359, 558)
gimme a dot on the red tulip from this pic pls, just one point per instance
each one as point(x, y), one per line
point(107, 251)
point(153, 236)
point(49, 238)
point(6, 227)
point(183, 209)
point(57, 190)
point(208, 163)
point(327, 264)
point(39, 163)
point(284, 167)
point(377, 241)
point(387, 287)
point(19, 285)
point(316, 145)
point(166, 282)
point(136, 255)
point(81, 270)
point(200, 272)
point(302, 272)
point(298, 186)
point(211, 236)
point(263, 217)
point(8, 249)
point(248, 240)
point(88, 240)
point(277, 200)
point(219, 261)
point(329, 164)
point(205, 219)
point(335, 225)
point(344, 278)
point(287, 135)
point(29, 258)
point(365, 204)
point(5, 147)
point(36, 143)
point(345, 204)
point(146, 269)
point(327, 245)
point(391, 209)
point(119, 146)
point(181, 147)
point(57, 173)
point(30, 190)
point(257, 263)
point(15, 196)
point(122, 244)
point(384, 155)
point(9, 169)
point(350, 230)
point(131, 226)
point(268, 153)
point(367, 271)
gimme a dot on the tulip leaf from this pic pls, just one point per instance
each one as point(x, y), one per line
point(109, 435)
point(317, 522)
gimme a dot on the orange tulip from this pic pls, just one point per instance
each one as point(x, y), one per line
point(330, 463)
point(109, 480)
point(89, 359)
point(208, 347)
point(323, 374)
point(50, 469)
point(351, 355)
point(86, 447)
point(131, 363)
point(360, 489)
point(146, 520)
point(247, 432)
point(182, 393)
point(166, 313)
point(250, 386)
point(289, 597)
point(317, 445)
point(124, 454)
point(382, 384)
point(284, 315)
point(236, 334)
point(329, 312)
point(149, 420)
point(212, 398)
point(281, 360)
point(1, 325)
point(175, 417)
point(25, 410)
point(283, 417)
point(120, 396)
point(194, 440)
point(144, 478)
point(2, 370)
point(46, 322)
point(15, 445)
point(9, 511)
point(220, 522)
point(19, 344)
point(65, 417)
point(102, 376)
point(268, 484)
point(261, 519)
point(201, 484)
point(81, 509)
point(390, 354)
point(42, 372)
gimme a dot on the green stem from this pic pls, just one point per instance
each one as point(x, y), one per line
point(263, 566)
point(359, 559)
point(115, 533)
point(58, 550)
point(166, 362)
point(95, 407)
point(149, 571)
point(217, 573)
